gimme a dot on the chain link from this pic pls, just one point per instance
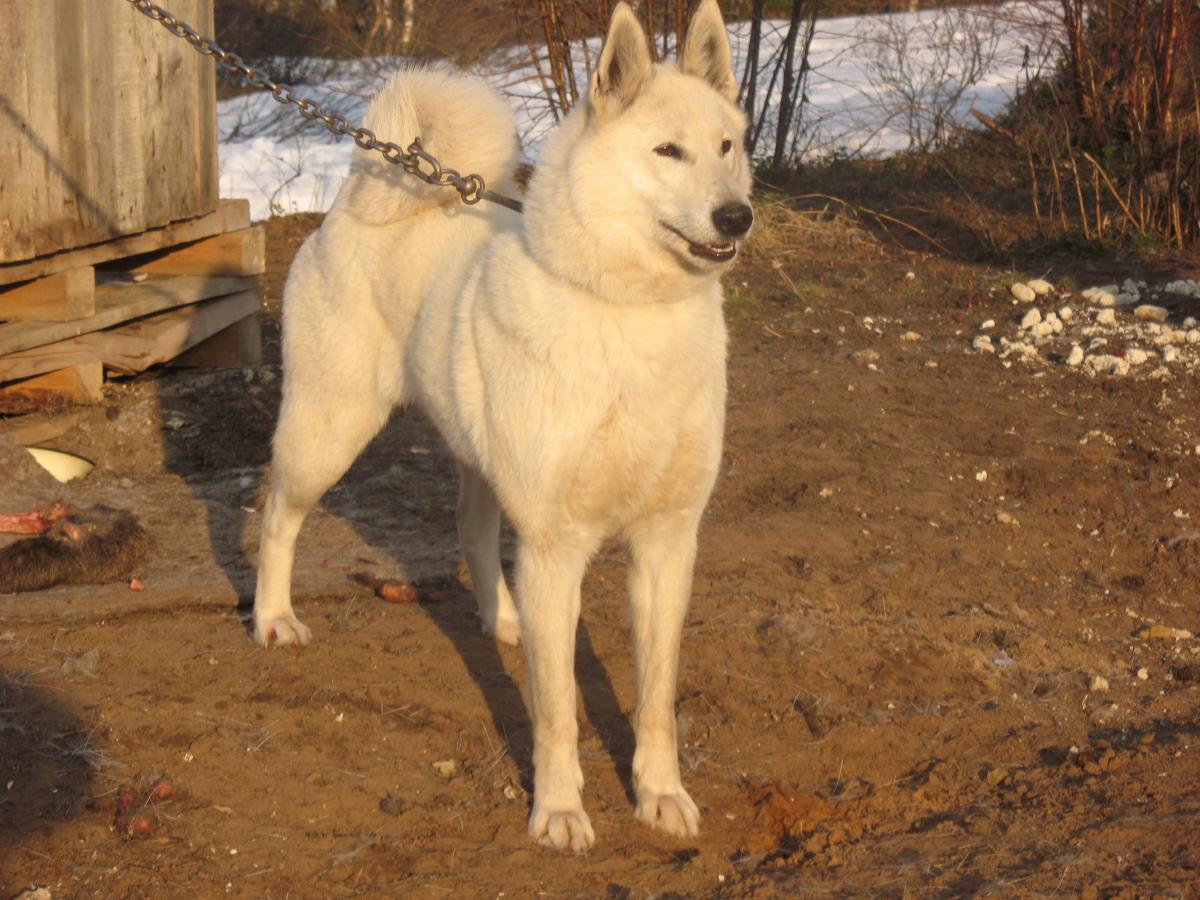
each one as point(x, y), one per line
point(414, 159)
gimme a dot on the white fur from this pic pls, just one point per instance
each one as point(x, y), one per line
point(573, 359)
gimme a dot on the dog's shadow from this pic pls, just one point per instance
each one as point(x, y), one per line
point(372, 495)
point(484, 659)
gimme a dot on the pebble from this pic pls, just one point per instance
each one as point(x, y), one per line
point(1023, 292)
point(1066, 313)
point(1124, 299)
point(1143, 673)
point(1099, 684)
point(1104, 299)
point(1044, 329)
point(1106, 317)
point(864, 356)
point(1108, 364)
point(1041, 286)
point(1164, 632)
point(1170, 354)
point(1148, 312)
point(1075, 357)
point(1031, 318)
point(1136, 357)
point(910, 336)
point(983, 344)
point(1193, 336)
point(990, 323)
point(446, 767)
point(1190, 322)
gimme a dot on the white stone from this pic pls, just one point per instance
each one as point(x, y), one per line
point(983, 344)
point(981, 475)
point(989, 323)
point(1031, 318)
point(1106, 317)
point(1124, 299)
point(1066, 313)
point(1129, 286)
point(1178, 336)
point(1184, 286)
point(1193, 336)
point(910, 337)
point(1040, 286)
point(1044, 329)
point(1190, 322)
point(1075, 357)
point(1023, 292)
point(1143, 673)
point(1108, 364)
point(1170, 354)
point(1148, 312)
point(1104, 299)
point(1136, 356)
point(1099, 684)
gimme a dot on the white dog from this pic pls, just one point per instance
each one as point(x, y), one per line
point(573, 359)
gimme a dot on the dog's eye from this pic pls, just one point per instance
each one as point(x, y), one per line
point(726, 146)
point(671, 151)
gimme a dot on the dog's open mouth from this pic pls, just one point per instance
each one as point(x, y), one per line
point(715, 252)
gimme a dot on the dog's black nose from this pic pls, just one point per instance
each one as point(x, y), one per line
point(733, 220)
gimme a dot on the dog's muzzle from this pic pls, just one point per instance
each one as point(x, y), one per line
point(734, 219)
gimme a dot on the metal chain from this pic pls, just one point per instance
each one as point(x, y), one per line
point(471, 188)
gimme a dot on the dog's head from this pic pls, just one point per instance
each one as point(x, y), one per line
point(654, 167)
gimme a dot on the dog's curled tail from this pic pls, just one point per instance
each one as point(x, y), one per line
point(461, 122)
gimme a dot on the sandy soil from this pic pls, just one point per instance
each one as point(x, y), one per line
point(887, 676)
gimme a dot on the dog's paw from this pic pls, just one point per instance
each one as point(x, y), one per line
point(281, 630)
point(506, 631)
point(561, 829)
point(675, 813)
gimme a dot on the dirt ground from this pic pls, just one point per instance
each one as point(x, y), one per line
point(887, 683)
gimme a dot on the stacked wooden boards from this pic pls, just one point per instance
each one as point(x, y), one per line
point(184, 292)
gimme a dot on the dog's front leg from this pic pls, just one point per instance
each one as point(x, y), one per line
point(548, 580)
point(660, 584)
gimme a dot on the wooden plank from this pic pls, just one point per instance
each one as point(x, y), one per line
point(38, 428)
point(159, 339)
point(238, 345)
point(60, 297)
point(233, 253)
point(107, 124)
point(116, 304)
point(230, 215)
point(80, 384)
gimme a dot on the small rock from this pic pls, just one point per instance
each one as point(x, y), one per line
point(1075, 357)
point(981, 476)
point(391, 805)
point(1107, 364)
point(1040, 286)
point(1066, 313)
point(864, 356)
point(1098, 685)
point(983, 344)
point(1190, 322)
point(1124, 299)
point(988, 323)
point(1023, 292)
point(1044, 329)
point(1170, 354)
point(87, 664)
point(1148, 312)
point(1104, 299)
point(910, 337)
point(446, 767)
point(997, 776)
point(1106, 317)
point(1031, 318)
point(1005, 518)
point(1143, 673)
point(1193, 336)
point(1163, 632)
point(1135, 356)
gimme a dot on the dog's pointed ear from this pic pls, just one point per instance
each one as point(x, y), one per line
point(706, 53)
point(625, 63)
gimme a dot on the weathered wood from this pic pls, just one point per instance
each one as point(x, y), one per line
point(233, 253)
point(230, 215)
point(80, 384)
point(159, 339)
point(107, 124)
point(37, 428)
point(238, 345)
point(116, 304)
point(138, 345)
point(60, 297)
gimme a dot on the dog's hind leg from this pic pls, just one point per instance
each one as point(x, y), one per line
point(548, 582)
point(663, 553)
point(479, 534)
point(320, 433)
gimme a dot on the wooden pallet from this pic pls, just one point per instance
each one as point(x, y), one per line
point(183, 294)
